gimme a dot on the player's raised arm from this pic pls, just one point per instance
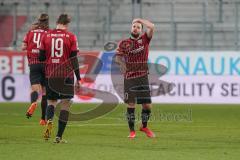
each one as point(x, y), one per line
point(148, 24)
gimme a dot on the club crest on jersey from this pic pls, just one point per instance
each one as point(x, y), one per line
point(126, 45)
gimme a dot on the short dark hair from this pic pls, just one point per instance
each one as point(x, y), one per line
point(63, 19)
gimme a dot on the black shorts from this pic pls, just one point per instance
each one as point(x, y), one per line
point(137, 90)
point(59, 88)
point(37, 74)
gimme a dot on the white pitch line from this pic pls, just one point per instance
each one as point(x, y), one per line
point(71, 125)
point(83, 125)
point(18, 114)
point(12, 114)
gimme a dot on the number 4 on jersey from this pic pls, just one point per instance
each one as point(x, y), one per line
point(36, 39)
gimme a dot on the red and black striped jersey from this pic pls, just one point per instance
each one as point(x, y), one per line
point(33, 40)
point(135, 53)
point(58, 45)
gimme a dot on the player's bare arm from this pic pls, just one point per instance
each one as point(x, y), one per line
point(150, 26)
point(119, 60)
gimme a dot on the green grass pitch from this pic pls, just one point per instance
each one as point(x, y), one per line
point(184, 132)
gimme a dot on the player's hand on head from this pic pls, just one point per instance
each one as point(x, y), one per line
point(137, 20)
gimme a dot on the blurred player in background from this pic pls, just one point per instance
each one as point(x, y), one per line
point(132, 57)
point(31, 44)
point(59, 48)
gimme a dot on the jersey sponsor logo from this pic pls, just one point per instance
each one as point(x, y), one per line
point(138, 50)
